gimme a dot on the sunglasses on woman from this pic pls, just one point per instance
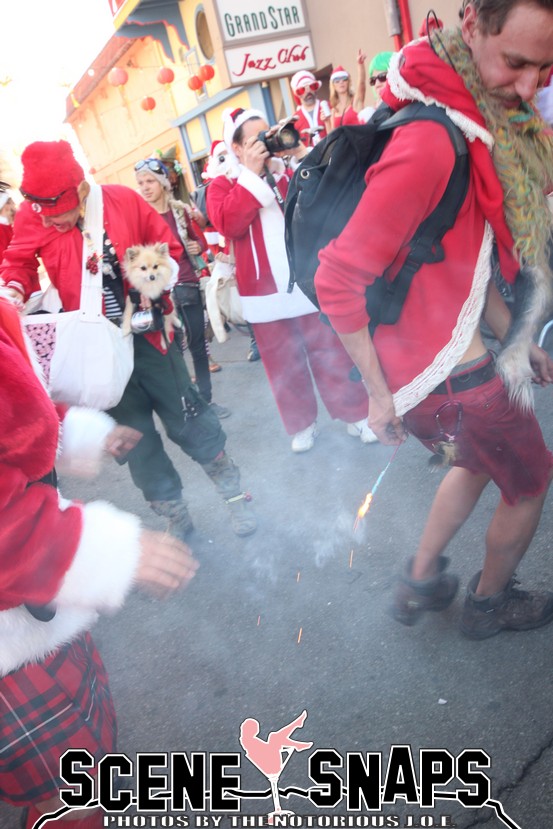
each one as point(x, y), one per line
point(381, 78)
point(301, 90)
point(152, 164)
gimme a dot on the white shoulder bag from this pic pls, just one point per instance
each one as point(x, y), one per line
point(85, 358)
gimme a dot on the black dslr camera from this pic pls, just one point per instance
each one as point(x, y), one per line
point(285, 138)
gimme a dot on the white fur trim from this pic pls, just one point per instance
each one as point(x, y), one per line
point(23, 639)
point(99, 578)
point(404, 92)
point(83, 435)
point(102, 571)
point(255, 185)
point(451, 354)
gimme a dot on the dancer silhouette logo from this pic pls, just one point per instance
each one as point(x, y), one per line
point(203, 790)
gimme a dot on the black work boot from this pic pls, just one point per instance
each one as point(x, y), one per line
point(226, 476)
point(412, 597)
point(511, 609)
point(180, 523)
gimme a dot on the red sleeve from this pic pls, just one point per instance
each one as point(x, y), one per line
point(38, 539)
point(231, 208)
point(20, 265)
point(403, 188)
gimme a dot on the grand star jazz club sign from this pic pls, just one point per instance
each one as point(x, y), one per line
point(263, 40)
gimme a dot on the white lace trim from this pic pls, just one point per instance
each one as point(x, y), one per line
point(404, 92)
point(451, 354)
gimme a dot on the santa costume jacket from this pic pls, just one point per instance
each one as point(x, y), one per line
point(128, 221)
point(307, 120)
point(447, 299)
point(246, 211)
point(77, 558)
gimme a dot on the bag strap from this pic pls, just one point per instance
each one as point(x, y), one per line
point(93, 242)
point(426, 244)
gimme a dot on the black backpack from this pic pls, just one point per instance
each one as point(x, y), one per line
point(328, 185)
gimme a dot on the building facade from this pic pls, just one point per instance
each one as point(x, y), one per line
point(162, 82)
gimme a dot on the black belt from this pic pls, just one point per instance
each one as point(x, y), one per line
point(468, 379)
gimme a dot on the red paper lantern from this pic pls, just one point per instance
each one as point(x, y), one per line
point(206, 72)
point(165, 75)
point(195, 83)
point(118, 77)
point(148, 103)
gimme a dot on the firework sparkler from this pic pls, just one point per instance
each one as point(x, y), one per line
point(364, 508)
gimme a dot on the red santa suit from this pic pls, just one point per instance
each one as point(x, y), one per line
point(68, 559)
point(128, 221)
point(445, 303)
point(308, 120)
point(289, 334)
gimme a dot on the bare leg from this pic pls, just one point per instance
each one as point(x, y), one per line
point(455, 499)
point(510, 532)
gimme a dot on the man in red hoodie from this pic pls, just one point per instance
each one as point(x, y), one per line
point(430, 373)
point(49, 225)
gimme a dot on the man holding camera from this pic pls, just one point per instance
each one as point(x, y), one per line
point(293, 343)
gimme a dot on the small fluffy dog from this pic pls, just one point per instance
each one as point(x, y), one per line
point(148, 269)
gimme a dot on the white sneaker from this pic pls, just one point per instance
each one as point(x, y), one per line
point(303, 441)
point(361, 430)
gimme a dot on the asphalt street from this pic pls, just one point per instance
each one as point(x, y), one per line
point(295, 618)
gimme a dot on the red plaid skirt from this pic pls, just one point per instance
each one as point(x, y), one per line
point(46, 708)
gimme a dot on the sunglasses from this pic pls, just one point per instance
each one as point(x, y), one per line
point(301, 90)
point(152, 164)
point(42, 199)
point(381, 78)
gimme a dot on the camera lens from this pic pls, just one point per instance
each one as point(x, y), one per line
point(288, 138)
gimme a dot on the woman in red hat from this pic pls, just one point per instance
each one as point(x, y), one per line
point(345, 102)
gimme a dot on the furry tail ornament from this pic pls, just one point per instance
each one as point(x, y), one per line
point(533, 302)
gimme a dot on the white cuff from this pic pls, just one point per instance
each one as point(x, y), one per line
point(103, 569)
point(256, 186)
point(83, 437)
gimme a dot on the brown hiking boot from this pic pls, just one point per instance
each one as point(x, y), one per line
point(413, 598)
point(512, 609)
point(180, 522)
point(226, 476)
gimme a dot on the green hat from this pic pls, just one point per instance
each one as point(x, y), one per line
point(380, 62)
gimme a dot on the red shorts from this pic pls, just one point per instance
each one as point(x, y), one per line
point(45, 708)
point(494, 437)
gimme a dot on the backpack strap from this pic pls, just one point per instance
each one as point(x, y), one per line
point(384, 305)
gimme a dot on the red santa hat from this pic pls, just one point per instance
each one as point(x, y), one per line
point(51, 176)
point(217, 148)
point(339, 74)
point(233, 120)
point(303, 78)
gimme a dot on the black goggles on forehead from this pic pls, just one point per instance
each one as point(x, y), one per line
point(41, 199)
point(151, 164)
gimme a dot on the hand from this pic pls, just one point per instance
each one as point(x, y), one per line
point(121, 440)
point(14, 296)
point(384, 422)
point(361, 57)
point(193, 248)
point(255, 155)
point(542, 365)
point(165, 565)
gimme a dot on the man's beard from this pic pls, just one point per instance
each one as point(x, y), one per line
point(309, 100)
